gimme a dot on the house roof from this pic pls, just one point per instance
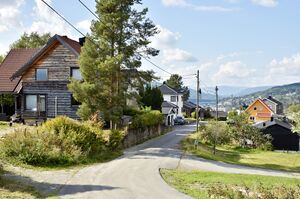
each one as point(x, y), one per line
point(166, 104)
point(262, 102)
point(270, 98)
point(190, 105)
point(12, 62)
point(72, 45)
point(167, 90)
point(267, 124)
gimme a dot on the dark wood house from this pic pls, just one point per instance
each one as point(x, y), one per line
point(40, 84)
point(283, 136)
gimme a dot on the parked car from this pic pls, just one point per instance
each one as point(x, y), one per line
point(179, 120)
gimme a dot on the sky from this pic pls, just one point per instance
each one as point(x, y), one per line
point(231, 42)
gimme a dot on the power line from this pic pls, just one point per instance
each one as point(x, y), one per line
point(97, 17)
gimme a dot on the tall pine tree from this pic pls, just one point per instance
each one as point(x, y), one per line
point(110, 58)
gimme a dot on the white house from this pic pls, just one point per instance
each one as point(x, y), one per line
point(173, 103)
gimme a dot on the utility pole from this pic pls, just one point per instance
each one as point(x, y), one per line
point(217, 103)
point(197, 108)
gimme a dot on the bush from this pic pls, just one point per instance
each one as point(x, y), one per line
point(193, 115)
point(147, 118)
point(61, 141)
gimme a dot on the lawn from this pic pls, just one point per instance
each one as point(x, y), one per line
point(248, 157)
point(203, 184)
point(4, 125)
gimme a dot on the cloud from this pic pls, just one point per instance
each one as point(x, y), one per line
point(177, 55)
point(84, 25)
point(165, 38)
point(202, 8)
point(46, 21)
point(166, 42)
point(10, 14)
point(287, 66)
point(265, 3)
point(233, 72)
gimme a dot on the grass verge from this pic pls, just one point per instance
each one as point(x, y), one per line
point(203, 184)
point(246, 157)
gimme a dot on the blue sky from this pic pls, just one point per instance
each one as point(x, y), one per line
point(231, 42)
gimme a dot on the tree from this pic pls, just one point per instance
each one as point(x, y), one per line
point(6, 99)
point(152, 97)
point(296, 128)
point(215, 133)
point(1, 58)
point(32, 40)
point(294, 109)
point(112, 50)
point(176, 83)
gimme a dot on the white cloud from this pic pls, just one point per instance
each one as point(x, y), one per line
point(288, 66)
point(84, 25)
point(165, 38)
point(233, 73)
point(10, 14)
point(203, 8)
point(265, 3)
point(177, 55)
point(166, 42)
point(46, 21)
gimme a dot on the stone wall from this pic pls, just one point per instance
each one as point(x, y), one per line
point(137, 136)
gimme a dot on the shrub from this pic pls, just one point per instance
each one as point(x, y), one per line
point(40, 148)
point(61, 141)
point(193, 115)
point(147, 118)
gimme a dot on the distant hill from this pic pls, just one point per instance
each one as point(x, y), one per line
point(287, 94)
point(236, 91)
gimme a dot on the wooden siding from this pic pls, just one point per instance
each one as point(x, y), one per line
point(58, 60)
point(260, 108)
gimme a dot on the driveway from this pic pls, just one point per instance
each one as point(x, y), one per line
point(135, 175)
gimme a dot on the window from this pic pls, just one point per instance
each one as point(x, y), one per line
point(173, 98)
point(75, 73)
point(31, 103)
point(74, 102)
point(41, 74)
point(251, 118)
point(255, 108)
point(35, 103)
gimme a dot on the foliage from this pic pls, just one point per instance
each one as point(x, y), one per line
point(131, 111)
point(296, 128)
point(176, 83)
point(1, 58)
point(61, 141)
point(193, 115)
point(109, 59)
point(243, 156)
point(215, 133)
point(205, 185)
point(294, 109)
point(232, 115)
point(6, 100)
point(152, 97)
point(32, 40)
point(147, 118)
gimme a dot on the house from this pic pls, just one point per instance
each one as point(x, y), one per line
point(39, 79)
point(283, 136)
point(170, 95)
point(274, 104)
point(169, 111)
point(190, 107)
point(12, 62)
point(259, 111)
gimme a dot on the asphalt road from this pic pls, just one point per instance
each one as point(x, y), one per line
point(135, 175)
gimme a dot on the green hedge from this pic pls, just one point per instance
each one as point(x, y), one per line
point(147, 118)
point(61, 141)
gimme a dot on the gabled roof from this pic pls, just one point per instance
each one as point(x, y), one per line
point(270, 98)
point(72, 45)
point(168, 105)
point(262, 102)
point(267, 124)
point(190, 105)
point(167, 90)
point(12, 62)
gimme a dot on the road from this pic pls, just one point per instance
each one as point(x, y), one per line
point(136, 174)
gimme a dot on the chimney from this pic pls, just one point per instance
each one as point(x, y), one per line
point(81, 41)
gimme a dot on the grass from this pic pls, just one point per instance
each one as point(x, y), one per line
point(201, 184)
point(247, 157)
